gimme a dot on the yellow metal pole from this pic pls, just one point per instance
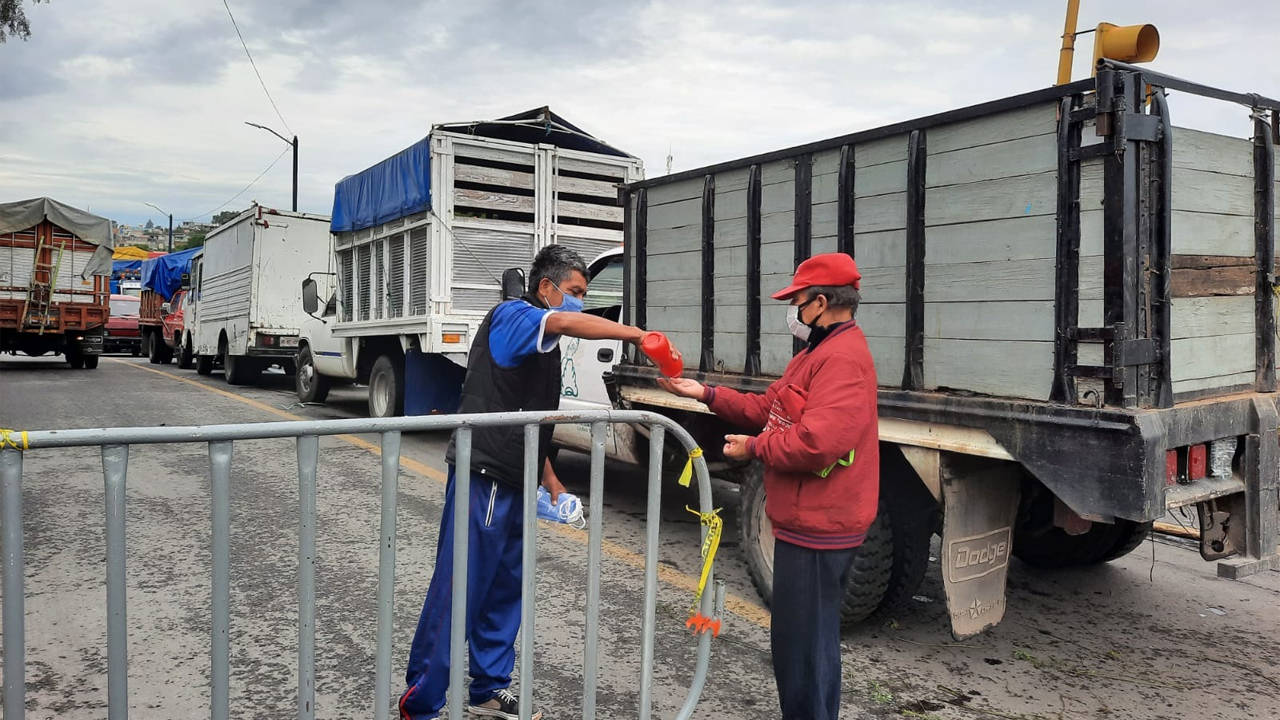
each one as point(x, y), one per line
point(1068, 42)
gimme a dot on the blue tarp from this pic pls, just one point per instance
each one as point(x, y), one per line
point(395, 187)
point(164, 274)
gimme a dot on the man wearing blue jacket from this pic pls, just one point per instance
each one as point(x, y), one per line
point(514, 365)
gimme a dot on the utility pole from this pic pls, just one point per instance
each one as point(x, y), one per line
point(170, 223)
point(291, 143)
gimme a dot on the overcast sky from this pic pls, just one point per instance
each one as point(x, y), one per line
point(111, 104)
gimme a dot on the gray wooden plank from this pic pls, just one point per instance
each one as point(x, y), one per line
point(877, 152)
point(731, 352)
point(487, 200)
point(681, 213)
point(883, 320)
point(463, 149)
point(825, 244)
point(671, 240)
point(669, 319)
point(730, 232)
point(1196, 233)
point(826, 162)
point(731, 260)
point(771, 173)
point(826, 188)
point(888, 354)
point(883, 212)
point(1022, 238)
point(823, 221)
point(1023, 156)
point(1029, 321)
point(673, 192)
point(728, 289)
point(778, 227)
point(1090, 312)
point(1009, 369)
point(1212, 316)
point(775, 352)
point(673, 266)
point(992, 199)
point(779, 257)
point(881, 250)
point(730, 204)
point(880, 179)
point(1201, 150)
point(588, 211)
point(1200, 191)
point(1222, 381)
point(1000, 127)
point(884, 285)
point(582, 186)
point(1017, 280)
point(731, 318)
point(1091, 354)
point(1092, 186)
point(1210, 357)
point(491, 176)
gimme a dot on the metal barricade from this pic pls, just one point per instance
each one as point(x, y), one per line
point(115, 444)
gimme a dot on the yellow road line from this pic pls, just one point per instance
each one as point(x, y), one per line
point(743, 608)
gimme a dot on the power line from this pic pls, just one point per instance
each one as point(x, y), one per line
point(246, 188)
point(255, 67)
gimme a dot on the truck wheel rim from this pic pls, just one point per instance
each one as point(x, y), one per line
point(381, 391)
point(305, 376)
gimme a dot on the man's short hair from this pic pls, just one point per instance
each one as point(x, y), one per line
point(556, 263)
point(838, 296)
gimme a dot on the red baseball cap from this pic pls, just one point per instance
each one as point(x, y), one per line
point(825, 269)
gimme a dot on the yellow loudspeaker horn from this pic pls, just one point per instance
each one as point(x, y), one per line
point(1125, 43)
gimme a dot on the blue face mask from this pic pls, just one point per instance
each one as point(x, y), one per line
point(568, 304)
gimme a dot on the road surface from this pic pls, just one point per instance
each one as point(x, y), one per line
point(1155, 635)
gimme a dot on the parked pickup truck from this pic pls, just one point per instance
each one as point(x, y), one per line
point(1069, 300)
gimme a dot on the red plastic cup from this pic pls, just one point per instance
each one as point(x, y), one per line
point(659, 349)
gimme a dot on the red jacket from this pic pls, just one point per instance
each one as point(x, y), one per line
point(823, 407)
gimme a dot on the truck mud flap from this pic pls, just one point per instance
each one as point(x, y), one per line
point(980, 500)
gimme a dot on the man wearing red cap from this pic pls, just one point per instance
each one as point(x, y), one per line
point(817, 436)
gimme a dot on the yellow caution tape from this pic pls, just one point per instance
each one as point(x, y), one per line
point(709, 546)
point(686, 475)
point(7, 439)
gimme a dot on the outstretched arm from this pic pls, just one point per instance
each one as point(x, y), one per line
point(591, 327)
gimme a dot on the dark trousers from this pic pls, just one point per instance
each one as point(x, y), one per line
point(495, 547)
point(808, 589)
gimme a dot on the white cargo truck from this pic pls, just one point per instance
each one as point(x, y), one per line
point(422, 239)
point(245, 309)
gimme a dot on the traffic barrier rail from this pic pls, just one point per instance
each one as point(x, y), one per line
point(115, 444)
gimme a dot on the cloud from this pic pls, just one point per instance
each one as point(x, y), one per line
point(113, 104)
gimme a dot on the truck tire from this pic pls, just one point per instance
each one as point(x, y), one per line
point(152, 343)
point(1054, 548)
point(185, 356)
point(90, 362)
point(312, 387)
point(204, 364)
point(912, 536)
point(1130, 536)
point(869, 575)
point(239, 370)
point(75, 360)
point(386, 387)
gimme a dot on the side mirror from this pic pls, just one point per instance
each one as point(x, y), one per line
point(512, 283)
point(310, 296)
point(165, 309)
point(186, 281)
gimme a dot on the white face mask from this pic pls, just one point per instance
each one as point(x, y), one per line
point(797, 328)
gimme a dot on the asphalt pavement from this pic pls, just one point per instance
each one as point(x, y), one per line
point(1154, 635)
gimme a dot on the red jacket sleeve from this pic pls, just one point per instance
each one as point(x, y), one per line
point(749, 411)
point(833, 417)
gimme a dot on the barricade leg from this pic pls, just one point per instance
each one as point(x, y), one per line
point(653, 518)
point(308, 458)
point(461, 545)
point(528, 576)
point(386, 572)
point(220, 651)
point(595, 536)
point(15, 632)
point(115, 466)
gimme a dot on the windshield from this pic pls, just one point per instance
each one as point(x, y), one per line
point(122, 306)
point(605, 289)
